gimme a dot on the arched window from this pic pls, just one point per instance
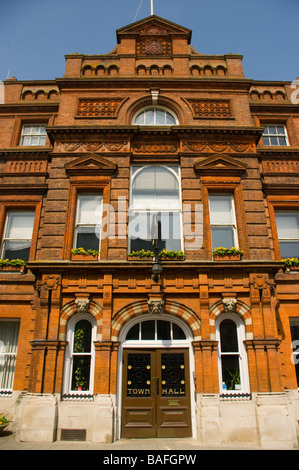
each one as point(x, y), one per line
point(232, 360)
point(79, 368)
point(155, 330)
point(155, 116)
point(155, 208)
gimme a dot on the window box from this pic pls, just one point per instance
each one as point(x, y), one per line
point(163, 255)
point(291, 264)
point(227, 254)
point(13, 265)
point(79, 254)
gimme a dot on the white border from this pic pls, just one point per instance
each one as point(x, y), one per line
point(243, 363)
point(66, 389)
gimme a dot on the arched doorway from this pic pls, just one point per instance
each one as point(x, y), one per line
point(156, 378)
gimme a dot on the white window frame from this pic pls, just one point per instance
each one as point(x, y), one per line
point(5, 238)
point(152, 209)
point(4, 354)
point(98, 219)
point(285, 135)
point(295, 344)
point(233, 225)
point(35, 132)
point(148, 108)
point(68, 368)
point(243, 364)
point(289, 239)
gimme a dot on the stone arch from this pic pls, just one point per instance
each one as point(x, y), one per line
point(170, 307)
point(71, 308)
point(238, 307)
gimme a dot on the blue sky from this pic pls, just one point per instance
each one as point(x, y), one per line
point(35, 35)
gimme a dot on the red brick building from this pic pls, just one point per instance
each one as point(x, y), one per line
point(153, 141)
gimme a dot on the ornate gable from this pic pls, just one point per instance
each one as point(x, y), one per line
point(153, 26)
point(221, 165)
point(91, 165)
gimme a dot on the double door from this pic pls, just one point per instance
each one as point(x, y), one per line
point(156, 393)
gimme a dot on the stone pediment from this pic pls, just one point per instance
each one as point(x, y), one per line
point(91, 165)
point(153, 26)
point(220, 164)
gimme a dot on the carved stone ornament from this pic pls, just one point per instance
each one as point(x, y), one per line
point(82, 305)
point(229, 305)
point(156, 306)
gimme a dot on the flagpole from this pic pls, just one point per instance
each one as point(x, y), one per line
point(152, 7)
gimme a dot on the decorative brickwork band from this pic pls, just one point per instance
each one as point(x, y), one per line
point(210, 109)
point(99, 107)
point(153, 47)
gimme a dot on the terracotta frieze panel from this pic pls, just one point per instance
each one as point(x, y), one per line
point(154, 148)
point(106, 146)
point(99, 107)
point(210, 109)
point(150, 46)
point(219, 147)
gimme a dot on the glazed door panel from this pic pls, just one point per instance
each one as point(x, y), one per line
point(138, 394)
point(156, 393)
point(173, 399)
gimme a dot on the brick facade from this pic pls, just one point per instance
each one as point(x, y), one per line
point(91, 146)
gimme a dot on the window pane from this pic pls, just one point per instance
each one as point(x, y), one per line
point(273, 141)
point(82, 337)
point(221, 210)
point(154, 116)
point(282, 141)
point(42, 141)
point(231, 372)
point(89, 208)
point(163, 330)
point(294, 326)
point(287, 225)
point(177, 332)
point(228, 336)
point(170, 119)
point(280, 130)
point(272, 130)
point(266, 140)
point(150, 116)
point(19, 225)
point(289, 249)
point(144, 227)
point(81, 373)
point(160, 117)
point(16, 250)
point(222, 237)
point(133, 333)
point(87, 238)
point(9, 333)
point(148, 330)
point(139, 119)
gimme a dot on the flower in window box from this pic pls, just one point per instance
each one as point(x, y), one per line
point(13, 265)
point(140, 254)
point(80, 254)
point(291, 264)
point(164, 254)
point(224, 254)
